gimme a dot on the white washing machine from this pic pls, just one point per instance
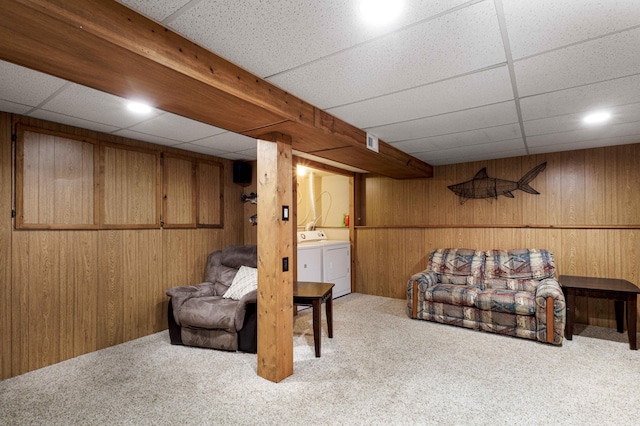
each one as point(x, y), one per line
point(323, 260)
point(309, 262)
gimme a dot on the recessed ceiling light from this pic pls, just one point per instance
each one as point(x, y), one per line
point(139, 107)
point(597, 117)
point(380, 11)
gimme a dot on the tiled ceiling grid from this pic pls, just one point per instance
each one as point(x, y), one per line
point(451, 81)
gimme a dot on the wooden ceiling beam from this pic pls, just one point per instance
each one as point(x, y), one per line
point(109, 47)
point(35, 39)
point(120, 26)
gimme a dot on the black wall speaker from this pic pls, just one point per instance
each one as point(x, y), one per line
point(242, 172)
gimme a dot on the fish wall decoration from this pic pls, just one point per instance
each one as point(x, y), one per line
point(482, 186)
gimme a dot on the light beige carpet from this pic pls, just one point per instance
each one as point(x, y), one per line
point(380, 368)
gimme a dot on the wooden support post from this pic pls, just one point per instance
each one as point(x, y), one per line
point(275, 244)
point(550, 323)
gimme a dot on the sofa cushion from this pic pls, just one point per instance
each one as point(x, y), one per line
point(468, 280)
point(519, 264)
point(452, 294)
point(512, 284)
point(507, 301)
point(458, 262)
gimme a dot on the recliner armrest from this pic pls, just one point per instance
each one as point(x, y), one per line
point(188, 291)
point(251, 297)
point(181, 294)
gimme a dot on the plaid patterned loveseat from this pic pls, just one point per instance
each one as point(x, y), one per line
point(511, 292)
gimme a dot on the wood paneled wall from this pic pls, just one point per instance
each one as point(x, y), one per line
point(596, 187)
point(6, 186)
point(58, 179)
point(131, 184)
point(64, 293)
point(587, 214)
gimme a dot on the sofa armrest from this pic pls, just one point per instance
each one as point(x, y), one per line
point(550, 311)
point(416, 287)
point(251, 297)
point(425, 279)
point(181, 294)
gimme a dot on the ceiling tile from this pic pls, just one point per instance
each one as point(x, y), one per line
point(489, 155)
point(201, 149)
point(486, 148)
point(541, 25)
point(131, 134)
point(178, 128)
point(252, 33)
point(93, 105)
point(12, 107)
point(157, 9)
point(562, 123)
point(71, 121)
point(601, 59)
point(461, 139)
point(587, 144)
point(402, 60)
point(249, 154)
point(593, 133)
point(605, 94)
point(475, 118)
point(469, 91)
point(233, 156)
point(502, 149)
point(229, 142)
point(24, 86)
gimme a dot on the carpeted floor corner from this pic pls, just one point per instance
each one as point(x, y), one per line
point(381, 367)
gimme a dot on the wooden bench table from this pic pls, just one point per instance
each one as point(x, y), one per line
point(621, 291)
point(314, 294)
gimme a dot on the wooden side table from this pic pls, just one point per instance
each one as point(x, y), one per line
point(621, 291)
point(314, 294)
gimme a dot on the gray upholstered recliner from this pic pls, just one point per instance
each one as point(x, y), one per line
point(199, 315)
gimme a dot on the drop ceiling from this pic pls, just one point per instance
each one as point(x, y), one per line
point(450, 81)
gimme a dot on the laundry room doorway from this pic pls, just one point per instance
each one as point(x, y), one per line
point(324, 207)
